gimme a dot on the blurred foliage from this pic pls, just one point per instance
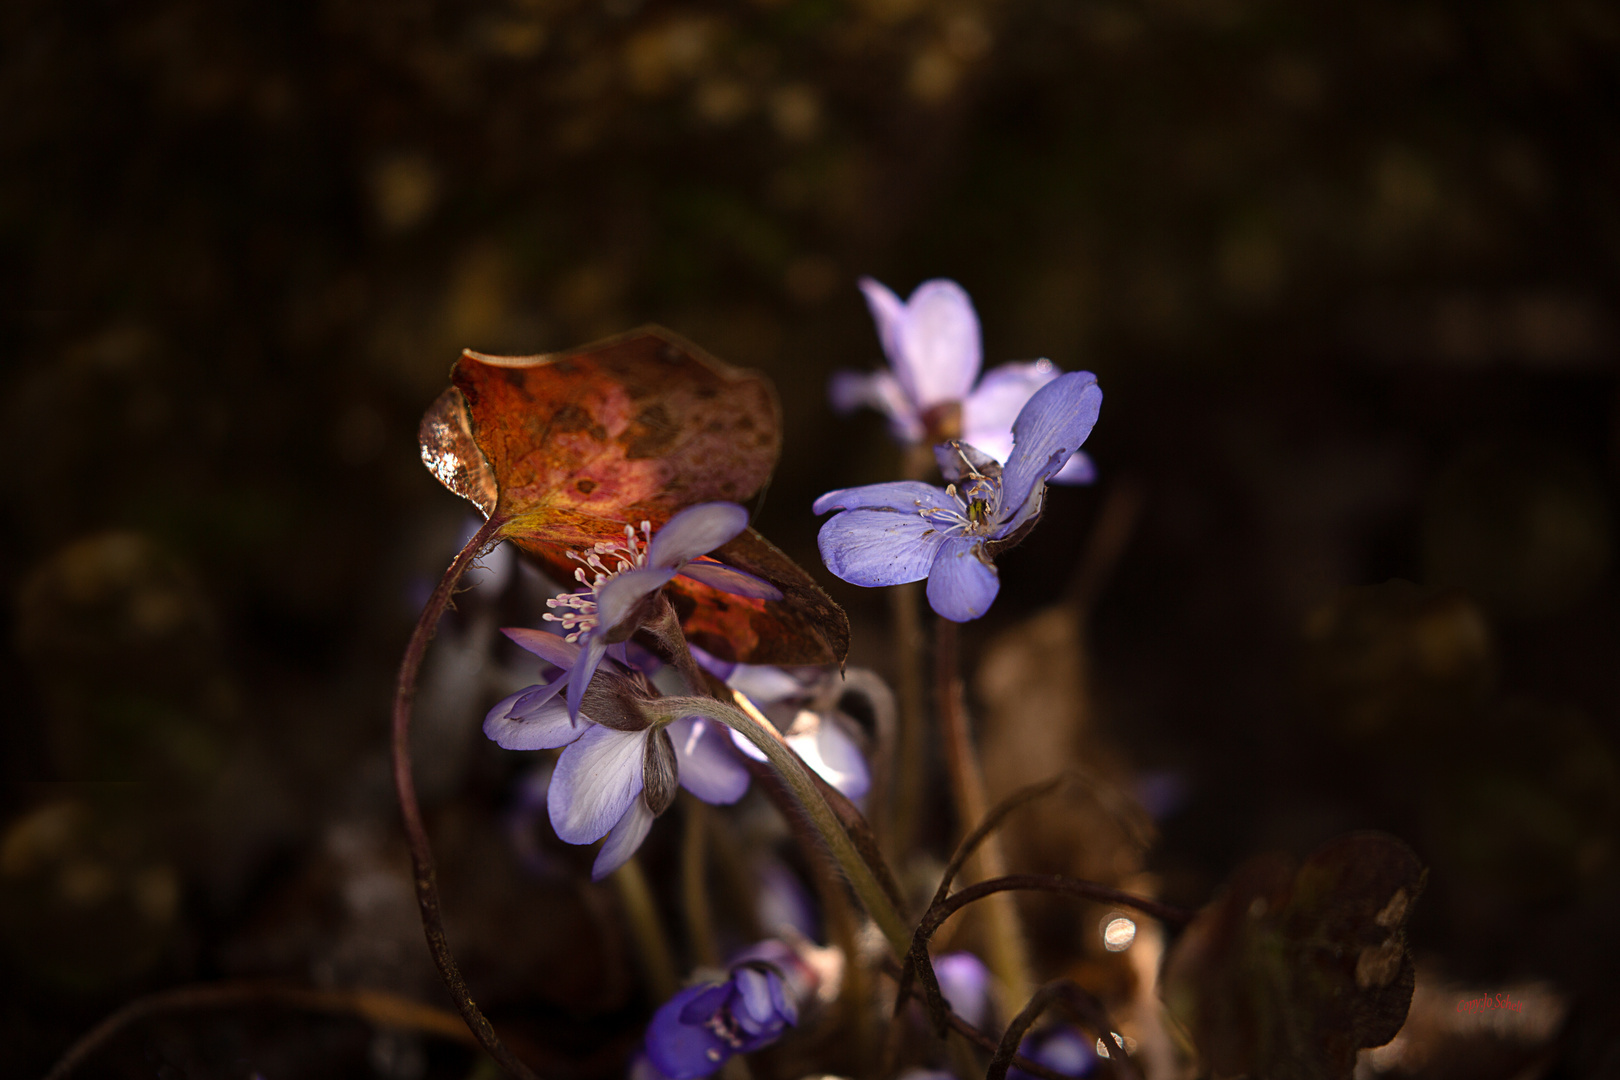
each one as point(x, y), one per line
point(1347, 273)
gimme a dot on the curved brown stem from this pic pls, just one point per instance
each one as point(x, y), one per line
point(917, 960)
point(374, 1006)
point(975, 1036)
point(1088, 1014)
point(416, 837)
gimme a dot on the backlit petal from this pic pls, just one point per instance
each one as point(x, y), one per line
point(962, 584)
point(1050, 428)
point(597, 778)
point(619, 594)
point(989, 412)
point(695, 531)
point(579, 676)
point(549, 647)
point(940, 349)
point(731, 580)
point(709, 768)
point(880, 390)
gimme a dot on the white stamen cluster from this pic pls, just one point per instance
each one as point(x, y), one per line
point(579, 608)
point(975, 506)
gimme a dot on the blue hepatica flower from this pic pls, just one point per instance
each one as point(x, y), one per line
point(889, 534)
point(620, 578)
point(696, 1031)
point(613, 780)
point(965, 983)
point(933, 344)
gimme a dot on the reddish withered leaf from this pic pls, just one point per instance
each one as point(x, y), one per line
point(1286, 974)
point(753, 631)
point(568, 448)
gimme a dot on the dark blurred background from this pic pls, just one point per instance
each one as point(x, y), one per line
point(1347, 273)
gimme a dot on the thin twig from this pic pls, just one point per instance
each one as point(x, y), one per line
point(652, 944)
point(416, 837)
point(695, 882)
point(1088, 1014)
point(374, 1006)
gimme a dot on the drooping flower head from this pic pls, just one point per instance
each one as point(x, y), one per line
point(620, 582)
point(889, 534)
point(929, 395)
point(698, 1030)
point(619, 766)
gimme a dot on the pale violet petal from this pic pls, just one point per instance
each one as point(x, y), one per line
point(742, 743)
point(940, 348)
point(1079, 469)
point(545, 728)
point(879, 547)
point(880, 390)
point(597, 777)
point(579, 676)
point(962, 583)
point(708, 768)
point(907, 495)
point(623, 840)
point(834, 757)
point(988, 413)
point(620, 593)
point(549, 647)
point(731, 580)
point(890, 315)
point(1050, 428)
point(695, 531)
point(763, 684)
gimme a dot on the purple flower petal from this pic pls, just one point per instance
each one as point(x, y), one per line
point(620, 593)
point(695, 531)
point(763, 684)
point(753, 1009)
point(834, 757)
point(962, 582)
point(623, 840)
point(879, 547)
point(1051, 427)
point(549, 647)
point(579, 676)
point(683, 1051)
point(529, 700)
point(906, 495)
point(708, 767)
point(890, 315)
point(702, 1006)
point(965, 982)
point(988, 413)
point(939, 349)
point(880, 390)
point(747, 747)
point(730, 579)
point(545, 728)
point(597, 778)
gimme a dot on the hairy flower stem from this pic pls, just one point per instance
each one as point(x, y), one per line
point(803, 788)
point(416, 837)
point(1005, 949)
point(908, 763)
point(640, 910)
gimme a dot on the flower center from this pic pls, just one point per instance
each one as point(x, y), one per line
point(974, 513)
point(578, 609)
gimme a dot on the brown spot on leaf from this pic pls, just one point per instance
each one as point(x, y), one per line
point(585, 486)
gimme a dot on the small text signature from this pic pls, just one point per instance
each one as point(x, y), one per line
point(1499, 1001)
